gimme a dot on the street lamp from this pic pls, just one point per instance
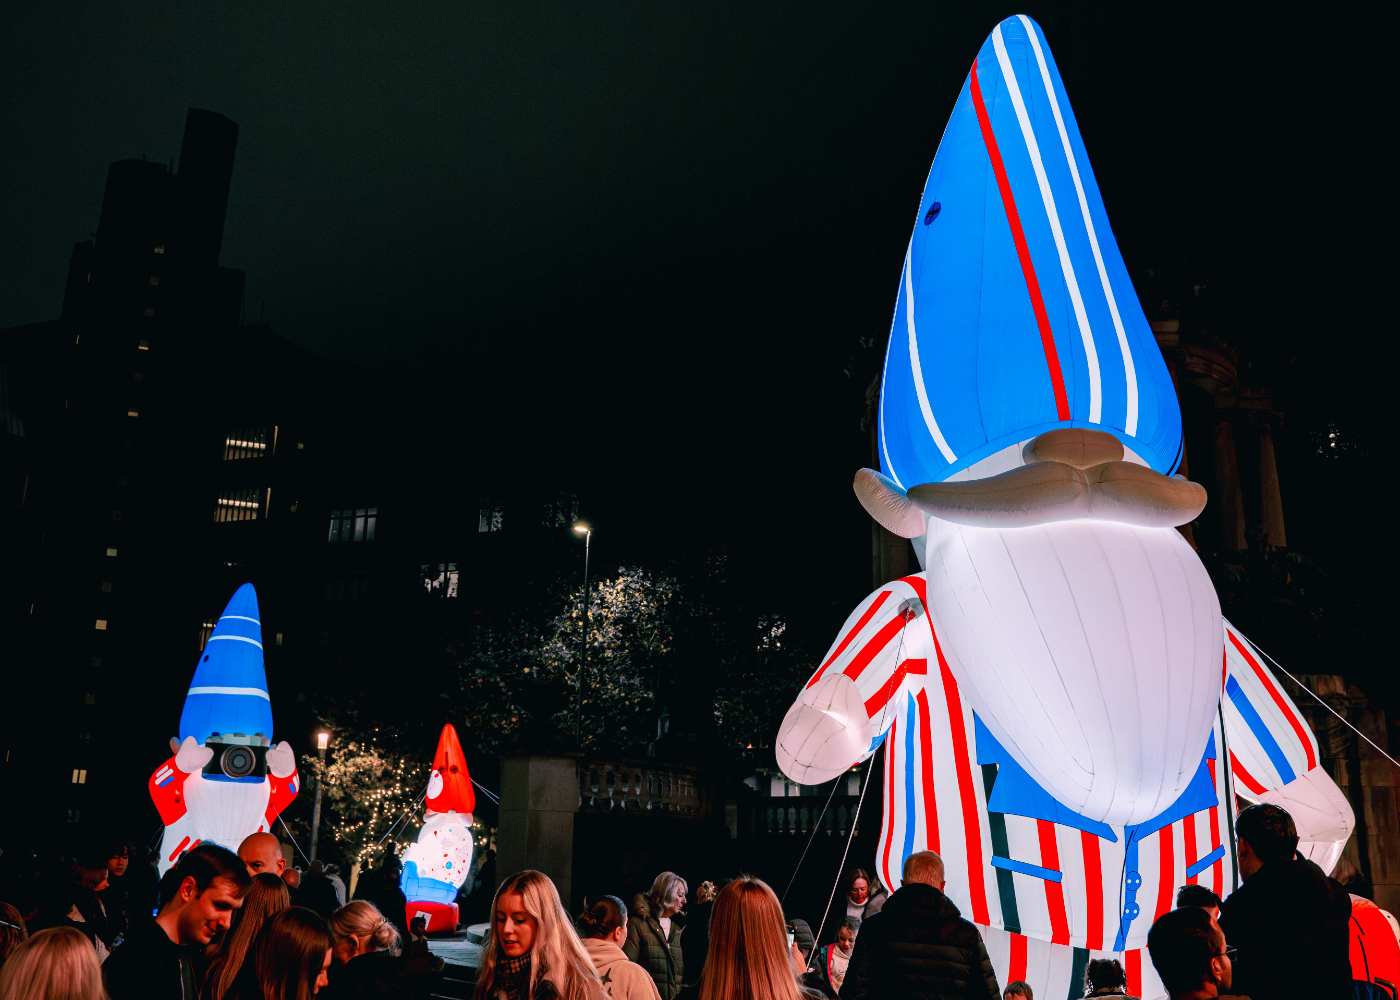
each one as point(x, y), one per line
point(587, 534)
point(322, 739)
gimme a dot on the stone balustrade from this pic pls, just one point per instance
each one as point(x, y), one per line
point(642, 788)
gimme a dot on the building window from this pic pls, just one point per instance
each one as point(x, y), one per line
point(237, 505)
point(250, 442)
point(150, 311)
point(278, 640)
point(144, 345)
point(133, 413)
point(116, 515)
point(89, 699)
point(160, 249)
point(79, 776)
point(356, 525)
point(102, 624)
point(122, 480)
point(347, 585)
point(205, 631)
point(489, 518)
point(137, 376)
point(106, 586)
point(561, 512)
point(155, 279)
point(73, 815)
point(112, 553)
point(440, 580)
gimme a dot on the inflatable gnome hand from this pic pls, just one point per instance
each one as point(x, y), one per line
point(281, 761)
point(190, 757)
point(435, 867)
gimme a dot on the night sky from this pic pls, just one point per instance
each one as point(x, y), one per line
point(641, 244)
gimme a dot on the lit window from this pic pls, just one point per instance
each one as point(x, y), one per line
point(79, 776)
point(144, 345)
point(106, 586)
point(102, 623)
point(489, 517)
point(250, 442)
point(112, 553)
point(561, 511)
point(73, 815)
point(155, 279)
point(353, 525)
point(160, 249)
point(205, 631)
point(150, 311)
point(347, 585)
point(133, 413)
point(440, 580)
point(278, 640)
point(237, 505)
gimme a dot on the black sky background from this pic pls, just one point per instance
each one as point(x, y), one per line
point(637, 246)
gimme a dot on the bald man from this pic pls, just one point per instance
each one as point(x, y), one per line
point(919, 945)
point(262, 853)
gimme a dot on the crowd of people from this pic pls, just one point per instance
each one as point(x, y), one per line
point(244, 926)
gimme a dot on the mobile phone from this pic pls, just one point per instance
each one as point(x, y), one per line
point(792, 935)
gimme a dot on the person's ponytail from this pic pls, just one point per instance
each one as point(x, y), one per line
point(603, 918)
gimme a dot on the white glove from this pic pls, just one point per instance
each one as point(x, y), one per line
point(191, 757)
point(281, 761)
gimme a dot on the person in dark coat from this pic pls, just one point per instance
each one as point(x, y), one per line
point(918, 947)
point(384, 892)
point(1288, 920)
point(156, 962)
point(654, 933)
point(696, 941)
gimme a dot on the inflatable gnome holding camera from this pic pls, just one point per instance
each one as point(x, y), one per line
point(226, 779)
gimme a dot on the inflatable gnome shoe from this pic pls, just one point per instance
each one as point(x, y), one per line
point(435, 867)
point(226, 779)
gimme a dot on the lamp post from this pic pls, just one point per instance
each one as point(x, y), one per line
point(321, 740)
point(587, 533)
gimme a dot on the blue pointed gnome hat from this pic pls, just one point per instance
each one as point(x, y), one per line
point(229, 690)
point(1015, 313)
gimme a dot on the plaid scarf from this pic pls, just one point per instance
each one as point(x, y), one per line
point(513, 976)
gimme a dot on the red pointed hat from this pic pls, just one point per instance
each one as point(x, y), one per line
point(451, 766)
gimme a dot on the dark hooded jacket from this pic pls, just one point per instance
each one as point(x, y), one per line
point(659, 954)
point(1289, 923)
point(918, 947)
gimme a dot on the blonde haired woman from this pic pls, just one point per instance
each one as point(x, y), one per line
point(367, 948)
point(749, 956)
point(532, 952)
point(654, 935)
point(56, 964)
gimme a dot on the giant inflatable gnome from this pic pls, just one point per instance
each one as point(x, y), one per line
point(226, 780)
point(436, 866)
point(1065, 716)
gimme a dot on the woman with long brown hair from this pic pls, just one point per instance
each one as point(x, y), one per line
point(267, 895)
point(532, 952)
point(749, 956)
point(289, 958)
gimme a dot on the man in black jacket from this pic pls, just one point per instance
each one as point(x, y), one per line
point(1288, 920)
point(918, 947)
point(156, 960)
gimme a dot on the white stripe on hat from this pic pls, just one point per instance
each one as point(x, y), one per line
point(1091, 354)
point(240, 638)
point(1130, 421)
point(243, 618)
point(259, 692)
point(918, 370)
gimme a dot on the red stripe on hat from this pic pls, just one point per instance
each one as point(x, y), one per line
point(926, 752)
point(1245, 777)
point(1008, 201)
point(1263, 676)
point(972, 825)
point(1054, 891)
point(855, 630)
point(1016, 972)
point(1093, 890)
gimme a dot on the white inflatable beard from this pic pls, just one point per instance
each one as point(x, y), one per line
point(444, 847)
point(1089, 649)
point(226, 812)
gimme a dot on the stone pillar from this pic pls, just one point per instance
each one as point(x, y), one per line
point(1270, 502)
point(539, 797)
point(1227, 489)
